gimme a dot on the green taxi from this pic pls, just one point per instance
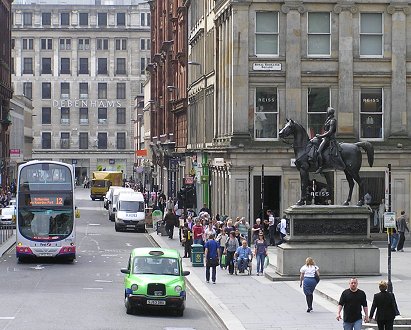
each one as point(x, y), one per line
point(155, 279)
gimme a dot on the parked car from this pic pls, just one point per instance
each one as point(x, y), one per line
point(154, 278)
point(8, 215)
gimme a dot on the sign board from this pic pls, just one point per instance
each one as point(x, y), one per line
point(267, 66)
point(111, 161)
point(389, 219)
point(14, 153)
point(218, 162)
point(74, 161)
point(188, 180)
point(141, 153)
point(292, 162)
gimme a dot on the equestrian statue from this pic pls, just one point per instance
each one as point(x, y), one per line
point(323, 152)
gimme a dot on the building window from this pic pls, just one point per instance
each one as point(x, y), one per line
point(84, 44)
point(28, 43)
point(65, 116)
point(27, 19)
point(102, 19)
point(318, 102)
point(143, 65)
point(144, 44)
point(83, 116)
point(46, 65)
point(46, 115)
point(64, 140)
point(64, 19)
point(46, 19)
point(145, 19)
point(121, 66)
point(83, 88)
point(371, 35)
point(83, 19)
point(65, 44)
point(102, 90)
point(121, 116)
point(319, 34)
point(28, 65)
point(65, 90)
point(28, 90)
point(121, 91)
point(83, 140)
point(46, 90)
point(102, 44)
point(121, 19)
point(371, 113)
point(102, 140)
point(266, 113)
point(102, 66)
point(266, 33)
point(65, 65)
point(102, 115)
point(83, 66)
point(121, 44)
point(46, 140)
point(46, 43)
point(121, 140)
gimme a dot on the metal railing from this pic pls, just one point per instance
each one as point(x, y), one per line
point(6, 232)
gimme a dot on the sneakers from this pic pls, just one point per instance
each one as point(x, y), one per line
point(402, 250)
point(213, 282)
point(258, 274)
point(208, 281)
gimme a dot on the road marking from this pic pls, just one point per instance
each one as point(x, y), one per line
point(38, 267)
point(103, 281)
point(7, 317)
point(94, 224)
point(109, 255)
point(92, 288)
point(128, 244)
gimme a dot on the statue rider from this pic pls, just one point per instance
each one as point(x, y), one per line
point(330, 127)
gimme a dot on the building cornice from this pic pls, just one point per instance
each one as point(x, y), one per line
point(340, 7)
point(286, 8)
point(394, 7)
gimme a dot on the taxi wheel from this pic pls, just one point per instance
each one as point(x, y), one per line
point(180, 312)
point(129, 308)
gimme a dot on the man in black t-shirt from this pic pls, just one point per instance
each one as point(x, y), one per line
point(352, 299)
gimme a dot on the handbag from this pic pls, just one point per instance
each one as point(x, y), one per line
point(223, 260)
point(266, 261)
point(317, 276)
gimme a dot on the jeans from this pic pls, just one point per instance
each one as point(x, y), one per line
point(242, 264)
point(260, 262)
point(198, 241)
point(394, 241)
point(353, 325)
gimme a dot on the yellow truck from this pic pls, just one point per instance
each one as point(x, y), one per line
point(101, 182)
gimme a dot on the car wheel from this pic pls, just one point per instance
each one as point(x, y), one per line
point(92, 198)
point(180, 312)
point(116, 227)
point(130, 310)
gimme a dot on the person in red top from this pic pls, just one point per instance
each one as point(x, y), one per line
point(198, 232)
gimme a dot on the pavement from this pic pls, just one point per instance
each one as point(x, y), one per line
point(270, 302)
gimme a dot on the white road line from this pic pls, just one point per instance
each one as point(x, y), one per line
point(103, 281)
point(92, 288)
point(7, 317)
point(94, 224)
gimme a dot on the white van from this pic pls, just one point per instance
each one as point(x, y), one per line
point(130, 212)
point(112, 202)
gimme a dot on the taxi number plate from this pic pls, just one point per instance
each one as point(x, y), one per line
point(131, 226)
point(45, 254)
point(156, 302)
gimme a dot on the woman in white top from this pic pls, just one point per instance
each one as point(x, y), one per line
point(308, 280)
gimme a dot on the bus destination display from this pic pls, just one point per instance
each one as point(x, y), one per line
point(45, 201)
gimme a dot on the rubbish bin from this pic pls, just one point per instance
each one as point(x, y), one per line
point(156, 216)
point(197, 255)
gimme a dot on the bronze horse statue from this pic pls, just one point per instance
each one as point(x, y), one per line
point(349, 161)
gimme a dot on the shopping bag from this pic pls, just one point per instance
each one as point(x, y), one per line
point(266, 261)
point(223, 260)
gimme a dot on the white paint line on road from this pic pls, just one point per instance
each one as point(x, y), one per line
point(103, 281)
point(128, 244)
point(7, 317)
point(92, 288)
point(109, 255)
point(94, 224)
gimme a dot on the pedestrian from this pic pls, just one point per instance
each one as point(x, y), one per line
point(352, 299)
point(243, 256)
point(222, 239)
point(198, 231)
point(230, 248)
point(170, 220)
point(187, 240)
point(260, 252)
point(308, 281)
point(271, 229)
point(401, 227)
point(257, 227)
point(386, 306)
point(243, 226)
point(282, 229)
point(212, 255)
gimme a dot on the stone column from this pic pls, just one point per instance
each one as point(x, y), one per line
point(399, 71)
point(293, 59)
point(345, 104)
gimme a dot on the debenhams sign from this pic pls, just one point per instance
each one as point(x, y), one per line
point(86, 103)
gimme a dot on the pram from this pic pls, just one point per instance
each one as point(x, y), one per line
point(247, 267)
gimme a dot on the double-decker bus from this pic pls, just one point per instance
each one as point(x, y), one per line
point(45, 224)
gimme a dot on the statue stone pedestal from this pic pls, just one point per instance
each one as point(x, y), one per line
point(337, 237)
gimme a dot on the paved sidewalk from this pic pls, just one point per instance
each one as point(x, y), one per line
point(258, 302)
